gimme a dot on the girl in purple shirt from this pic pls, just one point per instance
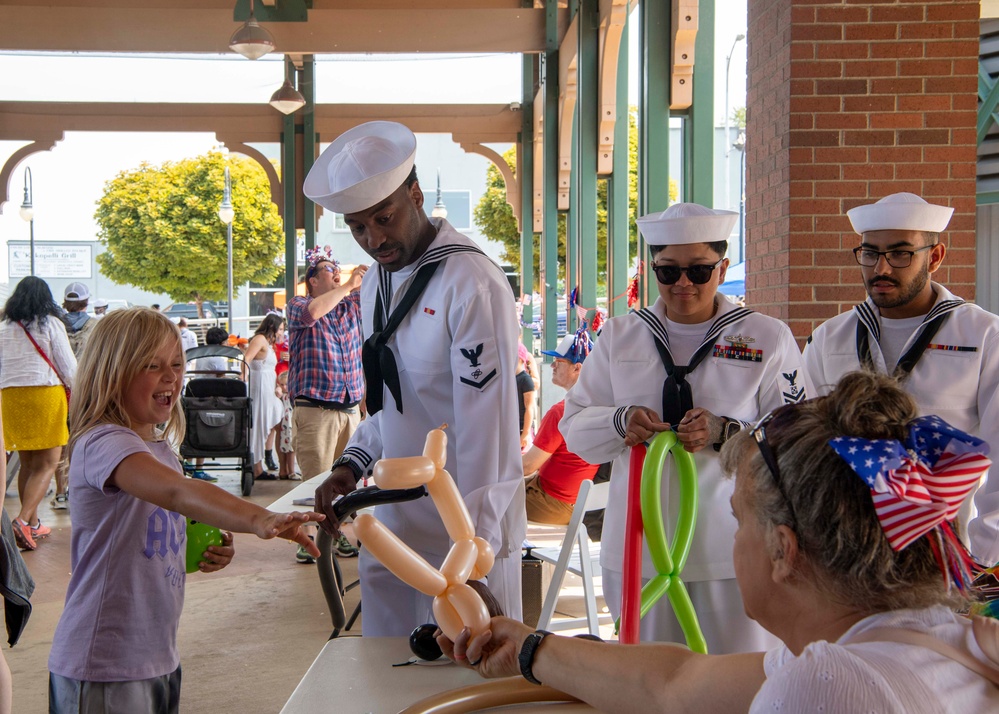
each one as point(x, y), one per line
point(115, 648)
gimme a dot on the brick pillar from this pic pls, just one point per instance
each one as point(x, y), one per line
point(848, 102)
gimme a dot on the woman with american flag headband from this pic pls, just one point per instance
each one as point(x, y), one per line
point(845, 551)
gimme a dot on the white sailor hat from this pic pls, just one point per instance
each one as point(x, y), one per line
point(901, 212)
point(684, 223)
point(363, 166)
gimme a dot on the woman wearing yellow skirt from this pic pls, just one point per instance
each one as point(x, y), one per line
point(37, 367)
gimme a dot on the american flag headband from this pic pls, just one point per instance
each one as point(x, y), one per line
point(918, 485)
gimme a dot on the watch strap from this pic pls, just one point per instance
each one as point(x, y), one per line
point(727, 431)
point(351, 464)
point(527, 653)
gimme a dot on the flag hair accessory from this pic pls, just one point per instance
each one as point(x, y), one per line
point(316, 255)
point(918, 486)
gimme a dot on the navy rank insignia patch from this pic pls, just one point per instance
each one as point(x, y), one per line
point(479, 366)
point(793, 392)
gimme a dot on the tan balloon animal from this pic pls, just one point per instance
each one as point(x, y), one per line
point(456, 604)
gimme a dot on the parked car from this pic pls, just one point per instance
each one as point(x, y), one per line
point(190, 311)
point(560, 326)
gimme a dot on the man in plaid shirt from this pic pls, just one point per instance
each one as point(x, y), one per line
point(325, 379)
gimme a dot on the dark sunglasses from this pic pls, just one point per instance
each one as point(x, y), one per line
point(697, 274)
point(759, 434)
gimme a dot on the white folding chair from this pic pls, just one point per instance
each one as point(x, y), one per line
point(577, 555)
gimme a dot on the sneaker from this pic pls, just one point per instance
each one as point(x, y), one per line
point(304, 556)
point(203, 476)
point(22, 534)
point(40, 531)
point(344, 549)
point(60, 502)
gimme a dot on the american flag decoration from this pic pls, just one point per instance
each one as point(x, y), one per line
point(921, 484)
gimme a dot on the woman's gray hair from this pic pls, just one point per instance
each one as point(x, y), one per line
point(831, 511)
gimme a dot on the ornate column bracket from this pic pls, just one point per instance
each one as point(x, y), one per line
point(512, 185)
point(613, 16)
point(268, 167)
point(17, 157)
point(567, 59)
point(682, 55)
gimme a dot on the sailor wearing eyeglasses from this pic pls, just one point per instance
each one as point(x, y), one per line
point(944, 350)
point(705, 367)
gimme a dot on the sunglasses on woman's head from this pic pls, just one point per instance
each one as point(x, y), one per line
point(759, 434)
point(697, 274)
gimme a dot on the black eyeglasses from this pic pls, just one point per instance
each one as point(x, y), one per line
point(697, 274)
point(896, 258)
point(759, 434)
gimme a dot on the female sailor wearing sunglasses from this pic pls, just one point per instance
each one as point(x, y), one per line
point(706, 368)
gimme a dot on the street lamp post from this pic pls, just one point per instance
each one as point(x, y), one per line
point(27, 212)
point(740, 146)
point(226, 215)
point(728, 140)
point(440, 210)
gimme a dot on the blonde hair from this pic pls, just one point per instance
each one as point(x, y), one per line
point(120, 347)
point(828, 506)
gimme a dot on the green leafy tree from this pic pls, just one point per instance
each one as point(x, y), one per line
point(494, 217)
point(161, 227)
point(739, 117)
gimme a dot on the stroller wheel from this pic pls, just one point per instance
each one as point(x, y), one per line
point(247, 482)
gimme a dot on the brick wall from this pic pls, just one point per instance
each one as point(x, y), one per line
point(850, 101)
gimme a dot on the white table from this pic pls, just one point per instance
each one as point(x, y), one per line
point(354, 675)
point(306, 489)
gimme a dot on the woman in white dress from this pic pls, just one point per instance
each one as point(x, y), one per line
point(264, 403)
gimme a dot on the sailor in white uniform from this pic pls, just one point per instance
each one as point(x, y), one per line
point(698, 364)
point(944, 350)
point(440, 330)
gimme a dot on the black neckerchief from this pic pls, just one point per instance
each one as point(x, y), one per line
point(677, 396)
point(869, 325)
point(377, 358)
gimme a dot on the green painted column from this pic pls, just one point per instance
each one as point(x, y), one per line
point(699, 143)
point(288, 183)
point(310, 142)
point(653, 122)
point(549, 235)
point(525, 176)
point(587, 142)
point(572, 225)
point(618, 258)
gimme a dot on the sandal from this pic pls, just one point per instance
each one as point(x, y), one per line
point(291, 477)
point(265, 476)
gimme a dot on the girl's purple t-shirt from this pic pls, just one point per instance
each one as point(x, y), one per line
point(126, 591)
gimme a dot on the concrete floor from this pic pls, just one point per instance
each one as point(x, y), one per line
point(248, 633)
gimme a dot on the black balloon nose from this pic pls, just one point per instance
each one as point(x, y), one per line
point(423, 643)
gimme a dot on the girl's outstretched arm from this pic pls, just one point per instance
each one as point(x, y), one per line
point(143, 476)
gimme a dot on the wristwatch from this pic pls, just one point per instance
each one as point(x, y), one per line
point(730, 427)
point(527, 652)
point(349, 463)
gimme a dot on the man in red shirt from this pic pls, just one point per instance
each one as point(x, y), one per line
point(557, 472)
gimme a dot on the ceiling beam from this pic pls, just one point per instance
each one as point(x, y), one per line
point(250, 123)
point(107, 26)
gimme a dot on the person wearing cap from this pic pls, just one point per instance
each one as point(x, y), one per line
point(944, 350)
point(100, 308)
point(695, 363)
point(440, 328)
point(76, 296)
point(553, 472)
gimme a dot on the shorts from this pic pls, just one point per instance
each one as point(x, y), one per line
point(157, 695)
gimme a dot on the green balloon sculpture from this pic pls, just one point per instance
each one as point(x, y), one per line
point(668, 561)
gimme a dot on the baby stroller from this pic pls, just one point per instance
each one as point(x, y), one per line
point(217, 410)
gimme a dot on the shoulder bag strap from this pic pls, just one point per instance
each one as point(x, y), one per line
point(42, 353)
point(922, 639)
